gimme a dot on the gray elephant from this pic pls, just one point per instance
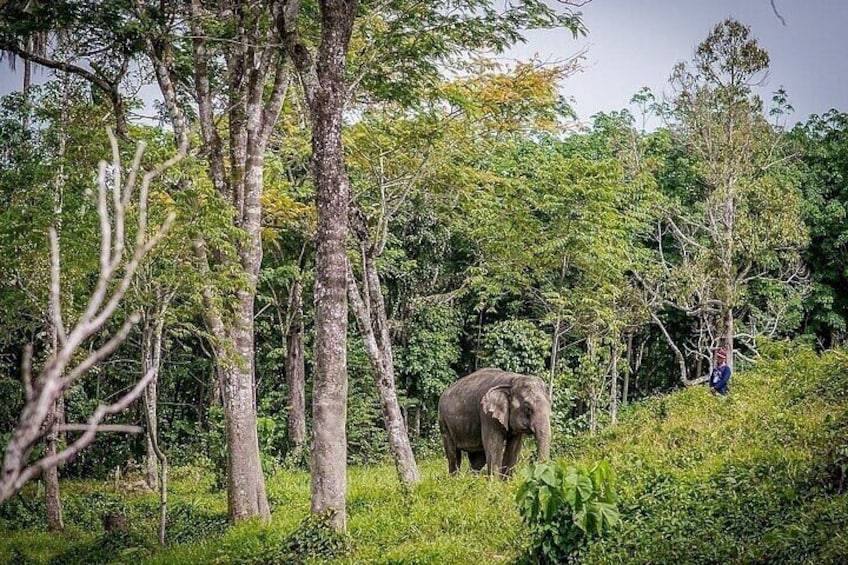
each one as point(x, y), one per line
point(488, 413)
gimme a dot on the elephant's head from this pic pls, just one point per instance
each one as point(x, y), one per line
point(523, 407)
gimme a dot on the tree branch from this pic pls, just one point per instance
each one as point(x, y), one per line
point(108, 88)
point(58, 372)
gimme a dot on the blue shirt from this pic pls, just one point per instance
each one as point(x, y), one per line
point(720, 378)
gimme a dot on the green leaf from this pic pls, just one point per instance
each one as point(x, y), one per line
point(584, 487)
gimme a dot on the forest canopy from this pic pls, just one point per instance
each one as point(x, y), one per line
point(342, 208)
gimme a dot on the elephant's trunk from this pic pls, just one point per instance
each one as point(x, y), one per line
point(543, 441)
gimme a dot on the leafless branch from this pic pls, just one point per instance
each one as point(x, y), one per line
point(114, 428)
point(60, 370)
point(777, 14)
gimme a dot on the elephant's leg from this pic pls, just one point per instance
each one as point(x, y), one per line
point(513, 449)
point(452, 454)
point(477, 460)
point(494, 441)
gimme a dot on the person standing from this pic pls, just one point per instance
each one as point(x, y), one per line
point(720, 377)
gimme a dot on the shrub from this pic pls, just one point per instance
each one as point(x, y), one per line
point(565, 507)
point(516, 345)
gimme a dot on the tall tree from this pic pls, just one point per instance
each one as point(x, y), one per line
point(322, 75)
point(747, 225)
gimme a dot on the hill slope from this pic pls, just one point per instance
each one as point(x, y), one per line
point(757, 477)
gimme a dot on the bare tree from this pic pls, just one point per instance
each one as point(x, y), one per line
point(750, 229)
point(61, 370)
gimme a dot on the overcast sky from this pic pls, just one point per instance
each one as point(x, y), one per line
point(635, 43)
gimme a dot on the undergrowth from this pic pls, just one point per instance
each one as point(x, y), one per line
point(755, 477)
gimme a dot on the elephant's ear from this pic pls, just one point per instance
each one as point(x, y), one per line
point(495, 403)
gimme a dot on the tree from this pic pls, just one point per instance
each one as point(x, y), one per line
point(322, 77)
point(744, 227)
point(164, 37)
point(823, 141)
point(61, 370)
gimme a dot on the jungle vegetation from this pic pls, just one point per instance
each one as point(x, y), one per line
point(231, 346)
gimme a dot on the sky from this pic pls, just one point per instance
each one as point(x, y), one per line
point(635, 43)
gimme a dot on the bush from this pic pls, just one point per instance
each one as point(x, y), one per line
point(565, 507)
point(517, 346)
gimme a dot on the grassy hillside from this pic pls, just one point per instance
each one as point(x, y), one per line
point(757, 477)
point(753, 478)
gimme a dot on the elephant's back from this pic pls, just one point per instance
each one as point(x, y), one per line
point(468, 391)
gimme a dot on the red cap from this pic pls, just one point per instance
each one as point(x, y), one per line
point(721, 354)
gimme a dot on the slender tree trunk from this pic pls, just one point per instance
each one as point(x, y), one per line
point(625, 388)
point(699, 367)
point(728, 336)
point(399, 444)
point(57, 411)
point(152, 467)
point(614, 379)
point(729, 274)
point(373, 327)
point(554, 354)
point(479, 339)
point(150, 405)
point(152, 360)
point(51, 476)
point(54, 418)
point(151, 473)
point(416, 421)
point(593, 415)
point(332, 193)
point(296, 372)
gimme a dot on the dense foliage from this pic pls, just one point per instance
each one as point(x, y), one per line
point(488, 228)
point(565, 507)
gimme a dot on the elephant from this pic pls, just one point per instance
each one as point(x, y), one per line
point(487, 414)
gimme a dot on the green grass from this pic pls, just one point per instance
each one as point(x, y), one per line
point(752, 478)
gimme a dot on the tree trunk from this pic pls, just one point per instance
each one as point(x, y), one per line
point(379, 349)
point(699, 368)
point(416, 421)
point(614, 379)
point(152, 360)
point(51, 476)
point(246, 494)
point(332, 192)
point(625, 388)
point(151, 476)
point(57, 411)
point(728, 336)
point(554, 353)
point(296, 372)
point(150, 405)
